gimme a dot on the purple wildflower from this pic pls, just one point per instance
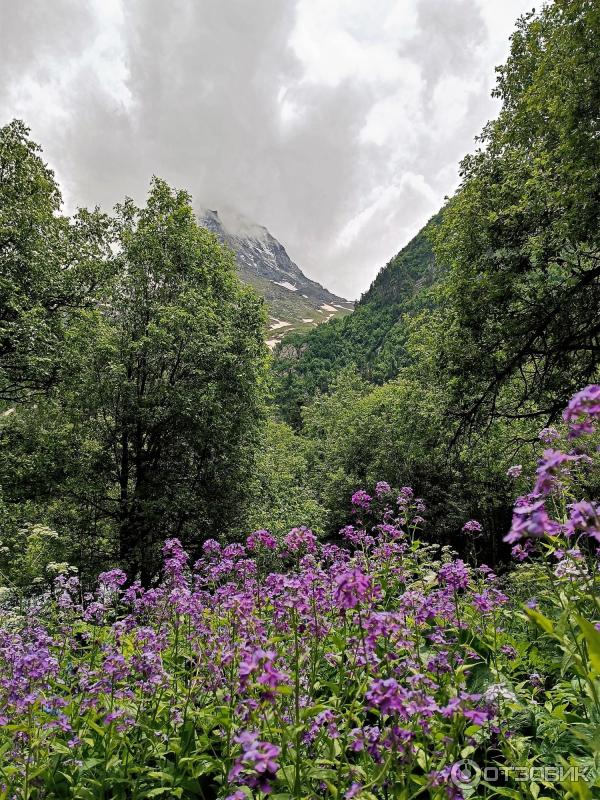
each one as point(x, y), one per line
point(352, 587)
point(476, 716)
point(355, 536)
point(531, 520)
point(455, 575)
point(585, 403)
point(256, 766)
point(472, 526)
point(324, 720)
point(261, 539)
point(488, 600)
point(387, 695)
point(367, 739)
point(175, 561)
point(584, 517)
point(551, 469)
point(113, 579)
point(548, 435)
point(361, 499)
point(301, 539)
point(535, 679)
point(354, 789)
point(234, 550)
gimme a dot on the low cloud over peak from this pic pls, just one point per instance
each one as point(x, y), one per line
point(335, 123)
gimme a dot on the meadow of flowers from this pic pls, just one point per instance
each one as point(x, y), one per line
point(379, 667)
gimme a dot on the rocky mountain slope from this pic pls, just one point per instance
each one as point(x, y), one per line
point(295, 302)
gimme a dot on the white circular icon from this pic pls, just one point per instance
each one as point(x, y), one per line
point(465, 774)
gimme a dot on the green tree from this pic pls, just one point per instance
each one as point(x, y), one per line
point(359, 434)
point(153, 429)
point(179, 377)
point(521, 236)
point(50, 266)
point(281, 492)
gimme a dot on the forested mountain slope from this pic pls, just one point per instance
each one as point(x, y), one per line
point(372, 337)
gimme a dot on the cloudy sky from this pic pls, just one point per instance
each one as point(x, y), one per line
point(338, 124)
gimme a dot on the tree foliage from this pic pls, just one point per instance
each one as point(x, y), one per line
point(50, 266)
point(152, 428)
point(521, 237)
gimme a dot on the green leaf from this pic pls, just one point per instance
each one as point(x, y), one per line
point(543, 622)
point(84, 794)
point(503, 791)
point(592, 638)
point(95, 727)
point(311, 711)
point(578, 789)
point(187, 737)
point(161, 776)
point(322, 773)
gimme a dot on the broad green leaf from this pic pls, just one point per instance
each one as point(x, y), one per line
point(592, 638)
point(543, 622)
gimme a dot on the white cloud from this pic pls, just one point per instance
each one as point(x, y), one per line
point(338, 124)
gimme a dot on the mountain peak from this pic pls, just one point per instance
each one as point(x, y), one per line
point(295, 302)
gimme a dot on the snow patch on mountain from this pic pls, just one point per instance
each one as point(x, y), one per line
point(287, 285)
point(263, 263)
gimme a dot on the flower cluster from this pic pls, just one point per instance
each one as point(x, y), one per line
point(364, 669)
point(261, 540)
point(253, 677)
point(256, 766)
point(352, 588)
point(531, 518)
point(361, 500)
point(583, 411)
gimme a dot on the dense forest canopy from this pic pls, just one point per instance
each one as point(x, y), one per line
point(50, 267)
point(521, 237)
